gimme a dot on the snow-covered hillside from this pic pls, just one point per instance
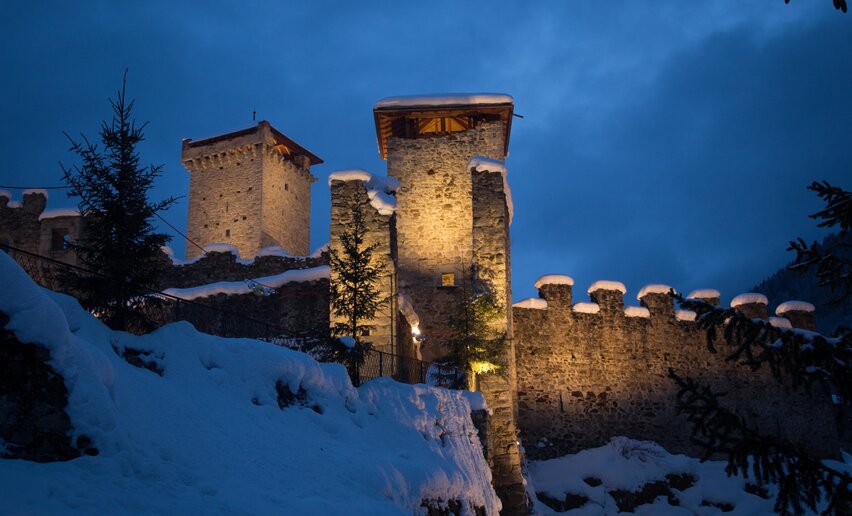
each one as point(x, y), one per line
point(207, 434)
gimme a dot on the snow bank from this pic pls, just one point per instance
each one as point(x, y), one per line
point(749, 298)
point(483, 164)
point(685, 315)
point(532, 302)
point(625, 464)
point(444, 99)
point(209, 437)
point(273, 250)
point(780, 322)
point(380, 189)
point(794, 306)
point(637, 311)
point(607, 285)
point(587, 308)
point(704, 293)
point(241, 287)
point(59, 212)
point(553, 279)
point(653, 289)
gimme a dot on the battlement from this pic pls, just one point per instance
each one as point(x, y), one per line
point(28, 224)
point(556, 294)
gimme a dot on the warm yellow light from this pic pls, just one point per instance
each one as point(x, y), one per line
point(415, 331)
point(481, 366)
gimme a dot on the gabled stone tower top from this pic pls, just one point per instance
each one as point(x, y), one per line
point(250, 188)
point(419, 116)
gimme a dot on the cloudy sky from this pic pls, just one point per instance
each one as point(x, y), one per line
point(665, 142)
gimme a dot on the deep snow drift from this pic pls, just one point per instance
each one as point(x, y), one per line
point(208, 436)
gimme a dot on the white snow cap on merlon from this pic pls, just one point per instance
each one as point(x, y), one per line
point(653, 289)
point(607, 285)
point(704, 293)
point(794, 306)
point(532, 302)
point(749, 298)
point(685, 315)
point(553, 279)
point(30, 191)
point(637, 311)
point(587, 308)
point(379, 188)
point(483, 164)
point(780, 322)
point(444, 99)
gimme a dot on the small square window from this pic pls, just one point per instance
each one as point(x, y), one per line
point(448, 279)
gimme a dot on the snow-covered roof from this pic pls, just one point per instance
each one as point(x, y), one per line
point(444, 99)
point(780, 322)
point(553, 279)
point(483, 164)
point(637, 311)
point(587, 308)
point(607, 285)
point(794, 306)
point(240, 287)
point(704, 293)
point(59, 212)
point(749, 298)
point(653, 289)
point(685, 315)
point(379, 188)
point(531, 302)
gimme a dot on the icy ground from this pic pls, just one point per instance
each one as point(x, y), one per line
point(209, 437)
point(606, 476)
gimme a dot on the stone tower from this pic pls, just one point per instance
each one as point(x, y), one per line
point(249, 188)
point(453, 211)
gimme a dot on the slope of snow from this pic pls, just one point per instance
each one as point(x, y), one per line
point(531, 302)
point(483, 164)
point(553, 279)
point(625, 464)
point(749, 298)
point(794, 306)
point(241, 287)
point(444, 99)
point(607, 285)
point(208, 436)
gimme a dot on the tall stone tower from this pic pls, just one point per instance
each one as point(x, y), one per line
point(453, 212)
point(249, 188)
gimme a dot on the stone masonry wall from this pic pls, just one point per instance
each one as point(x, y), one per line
point(380, 230)
point(286, 202)
point(28, 227)
point(435, 217)
point(586, 377)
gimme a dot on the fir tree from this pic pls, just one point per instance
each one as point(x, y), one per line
point(120, 242)
point(805, 359)
point(473, 345)
point(355, 296)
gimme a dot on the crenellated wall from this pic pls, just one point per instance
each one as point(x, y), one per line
point(29, 226)
point(590, 371)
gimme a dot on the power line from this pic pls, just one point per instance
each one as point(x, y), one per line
point(179, 233)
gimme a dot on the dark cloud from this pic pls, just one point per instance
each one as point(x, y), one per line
point(658, 146)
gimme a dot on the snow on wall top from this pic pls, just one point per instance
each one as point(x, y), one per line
point(749, 298)
point(685, 315)
point(273, 250)
point(794, 306)
point(704, 293)
point(531, 302)
point(780, 322)
point(59, 212)
point(587, 308)
point(607, 285)
point(42, 191)
point(637, 311)
point(6, 193)
point(653, 289)
point(379, 188)
point(444, 99)
point(553, 279)
point(232, 288)
point(483, 164)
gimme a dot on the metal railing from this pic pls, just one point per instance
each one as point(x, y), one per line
point(161, 308)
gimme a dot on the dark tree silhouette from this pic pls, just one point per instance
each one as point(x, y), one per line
point(840, 5)
point(119, 242)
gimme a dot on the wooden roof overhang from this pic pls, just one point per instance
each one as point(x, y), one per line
point(386, 117)
point(289, 147)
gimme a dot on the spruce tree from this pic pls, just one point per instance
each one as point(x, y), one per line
point(354, 294)
point(119, 243)
point(805, 359)
point(473, 346)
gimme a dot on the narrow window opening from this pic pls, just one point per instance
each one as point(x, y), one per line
point(59, 239)
point(227, 232)
point(286, 187)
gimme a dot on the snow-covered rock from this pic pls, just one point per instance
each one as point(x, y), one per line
point(553, 279)
point(794, 306)
point(211, 434)
point(607, 285)
point(749, 298)
point(531, 302)
point(444, 99)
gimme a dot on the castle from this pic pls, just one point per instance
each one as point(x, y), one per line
point(577, 373)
